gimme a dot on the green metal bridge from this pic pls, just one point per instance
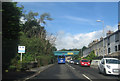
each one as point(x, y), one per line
point(66, 53)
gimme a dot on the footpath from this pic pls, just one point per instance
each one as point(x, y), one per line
point(94, 64)
point(25, 75)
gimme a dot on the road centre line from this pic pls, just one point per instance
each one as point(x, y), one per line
point(71, 66)
point(82, 74)
point(86, 77)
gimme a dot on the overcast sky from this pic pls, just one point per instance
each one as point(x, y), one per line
point(75, 22)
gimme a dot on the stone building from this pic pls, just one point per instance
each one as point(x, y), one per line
point(111, 45)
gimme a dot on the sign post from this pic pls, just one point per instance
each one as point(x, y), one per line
point(21, 49)
point(21, 57)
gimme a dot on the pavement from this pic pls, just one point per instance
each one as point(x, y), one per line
point(37, 71)
point(93, 66)
point(18, 76)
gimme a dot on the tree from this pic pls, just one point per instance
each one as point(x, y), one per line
point(35, 27)
point(83, 48)
point(10, 31)
point(33, 36)
point(43, 18)
point(31, 26)
point(91, 56)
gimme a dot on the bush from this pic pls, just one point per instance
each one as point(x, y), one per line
point(12, 68)
point(44, 60)
point(91, 56)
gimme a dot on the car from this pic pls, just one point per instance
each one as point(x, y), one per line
point(71, 61)
point(85, 62)
point(76, 62)
point(109, 66)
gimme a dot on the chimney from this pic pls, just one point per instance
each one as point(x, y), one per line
point(109, 32)
point(101, 38)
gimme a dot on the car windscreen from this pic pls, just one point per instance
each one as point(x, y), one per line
point(84, 60)
point(112, 61)
point(61, 57)
point(76, 61)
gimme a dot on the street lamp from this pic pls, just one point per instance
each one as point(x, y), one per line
point(103, 34)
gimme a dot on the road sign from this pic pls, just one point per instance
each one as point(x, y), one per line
point(21, 49)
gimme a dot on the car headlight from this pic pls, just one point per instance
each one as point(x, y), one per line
point(82, 63)
point(108, 66)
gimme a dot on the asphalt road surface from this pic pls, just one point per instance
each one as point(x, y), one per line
point(74, 72)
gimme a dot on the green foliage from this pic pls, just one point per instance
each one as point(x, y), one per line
point(84, 47)
point(12, 67)
point(43, 60)
point(29, 34)
point(10, 20)
point(37, 47)
point(90, 56)
point(75, 56)
point(10, 31)
point(79, 59)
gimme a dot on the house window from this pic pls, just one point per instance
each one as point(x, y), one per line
point(108, 50)
point(115, 48)
point(119, 47)
point(116, 37)
point(108, 40)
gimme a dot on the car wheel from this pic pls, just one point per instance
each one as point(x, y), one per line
point(99, 70)
point(104, 72)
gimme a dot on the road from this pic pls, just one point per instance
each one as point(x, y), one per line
point(71, 71)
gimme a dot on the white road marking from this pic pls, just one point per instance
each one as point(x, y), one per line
point(33, 75)
point(71, 66)
point(86, 77)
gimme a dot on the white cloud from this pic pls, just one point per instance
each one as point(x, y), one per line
point(22, 20)
point(81, 20)
point(68, 41)
point(78, 19)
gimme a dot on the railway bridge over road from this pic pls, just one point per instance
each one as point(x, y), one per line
point(68, 54)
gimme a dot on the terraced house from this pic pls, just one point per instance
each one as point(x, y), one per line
point(111, 45)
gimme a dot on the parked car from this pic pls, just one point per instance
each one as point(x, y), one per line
point(76, 62)
point(109, 66)
point(85, 62)
point(71, 61)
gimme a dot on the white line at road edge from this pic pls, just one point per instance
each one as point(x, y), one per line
point(37, 73)
point(86, 77)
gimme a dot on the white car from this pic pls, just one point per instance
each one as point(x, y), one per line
point(109, 66)
point(71, 61)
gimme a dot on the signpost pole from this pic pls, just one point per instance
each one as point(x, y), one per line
point(21, 57)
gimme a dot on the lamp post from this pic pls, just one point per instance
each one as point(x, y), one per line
point(103, 34)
